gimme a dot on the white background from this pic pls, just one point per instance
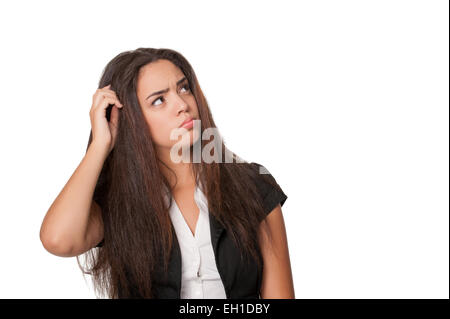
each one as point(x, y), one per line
point(346, 103)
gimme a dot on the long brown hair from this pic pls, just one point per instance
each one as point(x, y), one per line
point(131, 189)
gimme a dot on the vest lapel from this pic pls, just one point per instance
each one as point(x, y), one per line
point(216, 230)
point(175, 265)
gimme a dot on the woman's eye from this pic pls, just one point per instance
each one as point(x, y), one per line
point(186, 87)
point(157, 100)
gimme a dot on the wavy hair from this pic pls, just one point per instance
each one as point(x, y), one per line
point(131, 189)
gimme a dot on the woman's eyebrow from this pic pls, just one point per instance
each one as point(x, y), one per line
point(164, 91)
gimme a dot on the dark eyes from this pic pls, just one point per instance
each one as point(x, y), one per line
point(186, 86)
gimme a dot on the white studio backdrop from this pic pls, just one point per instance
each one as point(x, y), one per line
point(346, 103)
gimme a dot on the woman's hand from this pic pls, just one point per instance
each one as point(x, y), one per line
point(103, 132)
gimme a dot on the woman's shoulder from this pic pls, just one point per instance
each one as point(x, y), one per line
point(270, 191)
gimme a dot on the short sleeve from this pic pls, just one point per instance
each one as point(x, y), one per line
point(270, 191)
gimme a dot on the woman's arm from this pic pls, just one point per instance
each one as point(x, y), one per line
point(277, 280)
point(73, 222)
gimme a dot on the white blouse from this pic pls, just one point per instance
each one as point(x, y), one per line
point(200, 278)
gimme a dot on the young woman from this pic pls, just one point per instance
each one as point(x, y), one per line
point(165, 228)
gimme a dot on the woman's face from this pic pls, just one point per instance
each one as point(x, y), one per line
point(166, 111)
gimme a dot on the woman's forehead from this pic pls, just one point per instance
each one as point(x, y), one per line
point(158, 75)
point(160, 72)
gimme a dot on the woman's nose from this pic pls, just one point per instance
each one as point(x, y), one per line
point(182, 105)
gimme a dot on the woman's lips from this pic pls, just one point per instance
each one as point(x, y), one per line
point(188, 125)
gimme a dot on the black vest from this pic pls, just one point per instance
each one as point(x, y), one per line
point(240, 280)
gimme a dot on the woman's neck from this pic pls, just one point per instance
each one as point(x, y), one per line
point(183, 171)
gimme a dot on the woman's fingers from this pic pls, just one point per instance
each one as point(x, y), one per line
point(104, 131)
point(100, 95)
